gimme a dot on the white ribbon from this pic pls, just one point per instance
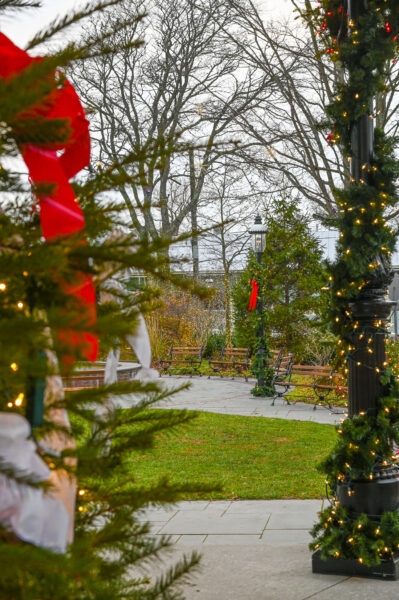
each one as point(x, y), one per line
point(33, 515)
point(140, 343)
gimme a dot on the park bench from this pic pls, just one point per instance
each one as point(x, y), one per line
point(328, 382)
point(276, 356)
point(237, 360)
point(282, 376)
point(322, 380)
point(190, 356)
point(230, 359)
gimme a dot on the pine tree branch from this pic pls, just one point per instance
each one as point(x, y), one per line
point(62, 23)
point(18, 5)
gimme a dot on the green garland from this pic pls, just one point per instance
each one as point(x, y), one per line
point(365, 442)
point(261, 369)
point(366, 241)
point(260, 366)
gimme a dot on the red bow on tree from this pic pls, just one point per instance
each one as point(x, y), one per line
point(254, 295)
point(60, 214)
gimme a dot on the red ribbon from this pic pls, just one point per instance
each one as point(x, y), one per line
point(60, 214)
point(254, 295)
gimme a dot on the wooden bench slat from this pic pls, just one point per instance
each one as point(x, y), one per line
point(182, 355)
point(324, 381)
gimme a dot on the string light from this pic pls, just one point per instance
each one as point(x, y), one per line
point(19, 399)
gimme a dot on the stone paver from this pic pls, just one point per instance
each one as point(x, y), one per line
point(253, 519)
point(207, 522)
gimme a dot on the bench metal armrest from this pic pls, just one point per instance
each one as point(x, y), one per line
point(325, 390)
point(165, 360)
point(196, 360)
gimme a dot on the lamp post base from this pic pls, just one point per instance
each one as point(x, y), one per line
point(387, 569)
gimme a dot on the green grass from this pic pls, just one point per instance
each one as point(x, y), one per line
point(252, 457)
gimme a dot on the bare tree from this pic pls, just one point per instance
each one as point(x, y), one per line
point(234, 202)
point(187, 82)
point(300, 159)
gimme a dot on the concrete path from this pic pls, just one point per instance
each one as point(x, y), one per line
point(233, 397)
point(256, 550)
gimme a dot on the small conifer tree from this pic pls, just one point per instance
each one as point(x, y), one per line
point(39, 317)
point(292, 275)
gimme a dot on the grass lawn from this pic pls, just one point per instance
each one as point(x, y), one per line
point(252, 457)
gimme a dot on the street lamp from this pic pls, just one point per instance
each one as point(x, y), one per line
point(369, 311)
point(258, 234)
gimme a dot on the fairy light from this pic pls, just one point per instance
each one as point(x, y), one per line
point(20, 305)
point(3, 287)
point(19, 399)
point(14, 366)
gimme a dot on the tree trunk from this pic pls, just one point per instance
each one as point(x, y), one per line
point(194, 217)
point(227, 299)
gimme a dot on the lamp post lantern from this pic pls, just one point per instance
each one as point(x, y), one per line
point(258, 234)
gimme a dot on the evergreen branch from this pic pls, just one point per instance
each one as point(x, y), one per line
point(62, 23)
point(18, 4)
point(178, 573)
point(108, 50)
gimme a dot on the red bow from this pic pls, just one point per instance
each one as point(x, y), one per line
point(254, 295)
point(60, 213)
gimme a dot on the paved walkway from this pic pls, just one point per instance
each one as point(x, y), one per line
point(233, 397)
point(252, 549)
point(256, 550)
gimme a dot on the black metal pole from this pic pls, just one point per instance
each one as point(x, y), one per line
point(371, 311)
point(371, 307)
point(261, 352)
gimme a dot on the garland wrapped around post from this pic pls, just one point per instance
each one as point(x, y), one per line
point(260, 365)
point(362, 521)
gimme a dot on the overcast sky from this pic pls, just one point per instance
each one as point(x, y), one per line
point(22, 27)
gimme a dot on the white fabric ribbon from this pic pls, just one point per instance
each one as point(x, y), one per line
point(33, 515)
point(140, 343)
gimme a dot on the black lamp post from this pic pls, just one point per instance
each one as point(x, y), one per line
point(258, 234)
point(371, 311)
